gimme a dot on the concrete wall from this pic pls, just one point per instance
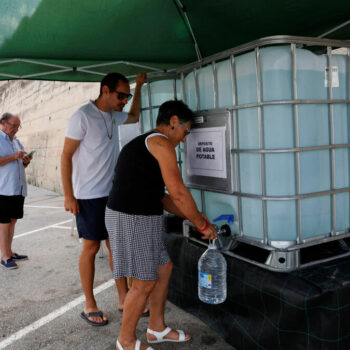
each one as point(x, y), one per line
point(44, 108)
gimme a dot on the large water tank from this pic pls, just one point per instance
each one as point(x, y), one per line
point(290, 141)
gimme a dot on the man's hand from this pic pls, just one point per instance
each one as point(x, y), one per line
point(135, 109)
point(12, 157)
point(19, 155)
point(141, 78)
point(71, 204)
point(26, 159)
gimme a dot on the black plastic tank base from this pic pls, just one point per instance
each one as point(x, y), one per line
point(305, 309)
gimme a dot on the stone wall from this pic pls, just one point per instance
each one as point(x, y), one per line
point(44, 108)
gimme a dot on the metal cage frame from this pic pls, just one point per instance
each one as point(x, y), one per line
point(292, 248)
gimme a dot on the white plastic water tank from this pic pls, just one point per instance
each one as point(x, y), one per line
point(278, 133)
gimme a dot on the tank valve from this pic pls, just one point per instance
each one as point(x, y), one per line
point(224, 231)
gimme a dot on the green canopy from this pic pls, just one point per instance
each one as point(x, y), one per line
point(81, 40)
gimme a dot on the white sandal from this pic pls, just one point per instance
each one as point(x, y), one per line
point(137, 345)
point(160, 336)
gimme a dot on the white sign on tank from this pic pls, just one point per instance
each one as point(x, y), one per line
point(206, 152)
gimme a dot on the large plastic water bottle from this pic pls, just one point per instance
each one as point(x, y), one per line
point(212, 269)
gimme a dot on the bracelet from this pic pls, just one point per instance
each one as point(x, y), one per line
point(205, 228)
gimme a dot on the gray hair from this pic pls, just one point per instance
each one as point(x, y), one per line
point(6, 116)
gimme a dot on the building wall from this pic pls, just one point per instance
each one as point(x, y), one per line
point(44, 108)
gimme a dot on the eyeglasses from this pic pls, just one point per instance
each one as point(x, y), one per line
point(122, 95)
point(187, 130)
point(13, 126)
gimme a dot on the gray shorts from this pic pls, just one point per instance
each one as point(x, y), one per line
point(136, 244)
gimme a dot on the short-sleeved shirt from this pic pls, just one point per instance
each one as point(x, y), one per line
point(12, 175)
point(96, 156)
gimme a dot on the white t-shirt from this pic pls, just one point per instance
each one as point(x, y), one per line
point(96, 156)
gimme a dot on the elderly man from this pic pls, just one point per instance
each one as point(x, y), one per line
point(89, 155)
point(13, 187)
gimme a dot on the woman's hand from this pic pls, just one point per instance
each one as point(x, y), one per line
point(204, 217)
point(207, 230)
point(209, 233)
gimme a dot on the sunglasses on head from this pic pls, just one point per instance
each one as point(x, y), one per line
point(121, 95)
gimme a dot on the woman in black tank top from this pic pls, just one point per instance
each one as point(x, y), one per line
point(133, 220)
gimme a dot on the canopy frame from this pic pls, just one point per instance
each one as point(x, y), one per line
point(160, 73)
point(84, 69)
point(183, 11)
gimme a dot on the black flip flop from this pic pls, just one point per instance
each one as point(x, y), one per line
point(144, 314)
point(85, 316)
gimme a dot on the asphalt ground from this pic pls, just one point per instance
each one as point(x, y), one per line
point(40, 302)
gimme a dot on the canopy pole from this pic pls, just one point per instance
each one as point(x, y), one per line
point(189, 27)
point(334, 29)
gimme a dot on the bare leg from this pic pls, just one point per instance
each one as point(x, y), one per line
point(157, 300)
point(134, 305)
point(5, 246)
point(87, 273)
point(11, 233)
point(120, 283)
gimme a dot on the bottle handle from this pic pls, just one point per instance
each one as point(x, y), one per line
point(212, 242)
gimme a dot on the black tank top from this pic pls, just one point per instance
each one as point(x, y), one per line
point(138, 186)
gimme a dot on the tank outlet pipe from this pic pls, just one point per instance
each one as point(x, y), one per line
point(224, 230)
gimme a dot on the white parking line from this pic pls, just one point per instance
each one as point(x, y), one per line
point(41, 206)
point(65, 227)
point(51, 316)
point(41, 229)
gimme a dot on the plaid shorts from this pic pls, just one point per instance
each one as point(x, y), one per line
point(136, 244)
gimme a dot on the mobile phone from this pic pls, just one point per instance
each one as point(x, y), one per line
point(30, 153)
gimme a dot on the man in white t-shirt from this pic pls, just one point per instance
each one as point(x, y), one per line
point(90, 152)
